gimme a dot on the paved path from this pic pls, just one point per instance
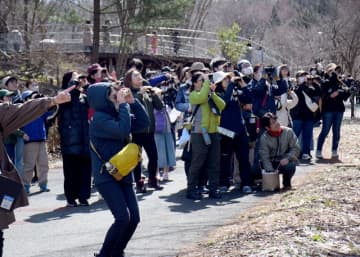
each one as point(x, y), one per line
point(169, 221)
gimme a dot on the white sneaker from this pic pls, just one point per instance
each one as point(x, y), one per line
point(319, 155)
point(165, 176)
point(306, 157)
point(334, 154)
point(247, 190)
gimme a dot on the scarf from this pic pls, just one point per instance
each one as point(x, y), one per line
point(275, 133)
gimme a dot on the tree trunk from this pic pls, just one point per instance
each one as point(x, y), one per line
point(96, 30)
point(26, 33)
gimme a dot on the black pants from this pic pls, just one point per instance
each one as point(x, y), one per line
point(240, 146)
point(287, 171)
point(121, 200)
point(147, 141)
point(77, 177)
point(1, 242)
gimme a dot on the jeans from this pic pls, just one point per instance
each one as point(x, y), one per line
point(147, 141)
point(305, 128)
point(121, 200)
point(1, 242)
point(334, 120)
point(10, 150)
point(204, 157)
point(287, 171)
point(19, 154)
point(239, 145)
point(77, 177)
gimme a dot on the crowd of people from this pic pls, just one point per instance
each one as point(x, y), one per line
point(232, 122)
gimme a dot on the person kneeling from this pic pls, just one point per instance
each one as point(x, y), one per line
point(279, 148)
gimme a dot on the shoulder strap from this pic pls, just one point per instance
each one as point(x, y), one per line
point(194, 113)
point(96, 152)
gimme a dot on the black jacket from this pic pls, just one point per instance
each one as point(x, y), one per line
point(74, 126)
point(150, 101)
point(335, 104)
point(301, 111)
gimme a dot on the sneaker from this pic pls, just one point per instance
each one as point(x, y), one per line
point(140, 187)
point(44, 188)
point(223, 189)
point(203, 190)
point(71, 203)
point(334, 154)
point(27, 189)
point(318, 155)
point(154, 183)
point(215, 194)
point(193, 196)
point(165, 176)
point(306, 157)
point(83, 203)
point(247, 190)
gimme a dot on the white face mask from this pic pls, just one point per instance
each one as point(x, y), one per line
point(313, 72)
point(301, 80)
point(164, 88)
point(247, 70)
point(35, 88)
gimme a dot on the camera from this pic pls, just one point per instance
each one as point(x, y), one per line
point(270, 72)
point(74, 83)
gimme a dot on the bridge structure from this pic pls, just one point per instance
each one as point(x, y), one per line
point(173, 45)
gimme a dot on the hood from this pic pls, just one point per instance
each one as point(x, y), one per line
point(97, 95)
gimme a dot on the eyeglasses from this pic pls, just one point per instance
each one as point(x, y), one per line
point(201, 80)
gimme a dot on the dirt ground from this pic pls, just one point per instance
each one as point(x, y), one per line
point(321, 217)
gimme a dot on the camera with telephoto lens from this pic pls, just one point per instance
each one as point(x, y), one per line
point(270, 72)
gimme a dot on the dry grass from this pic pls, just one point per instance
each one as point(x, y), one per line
point(320, 218)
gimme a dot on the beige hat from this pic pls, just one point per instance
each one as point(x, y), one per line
point(330, 67)
point(198, 66)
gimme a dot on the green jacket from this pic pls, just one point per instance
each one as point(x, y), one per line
point(204, 117)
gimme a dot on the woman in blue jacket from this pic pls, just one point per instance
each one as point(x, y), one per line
point(234, 138)
point(109, 133)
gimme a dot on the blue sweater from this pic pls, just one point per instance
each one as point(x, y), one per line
point(232, 116)
point(36, 130)
point(260, 90)
point(110, 129)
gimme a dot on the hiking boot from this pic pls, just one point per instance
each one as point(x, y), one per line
point(154, 183)
point(193, 196)
point(140, 187)
point(215, 194)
